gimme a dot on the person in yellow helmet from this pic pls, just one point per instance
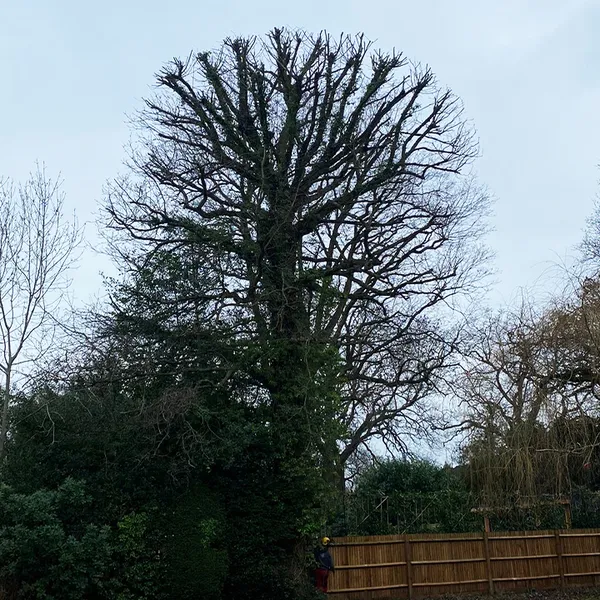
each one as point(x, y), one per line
point(325, 564)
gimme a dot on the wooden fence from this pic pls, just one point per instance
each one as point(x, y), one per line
point(408, 566)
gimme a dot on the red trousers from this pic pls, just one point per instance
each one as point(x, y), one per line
point(321, 579)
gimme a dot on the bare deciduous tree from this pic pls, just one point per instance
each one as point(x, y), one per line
point(326, 188)
point(37, 247)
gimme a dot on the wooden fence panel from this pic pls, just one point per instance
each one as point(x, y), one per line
point(410, 566)
point(581, 557)
point(523, 560)
point(369, 567)
point(448, 565)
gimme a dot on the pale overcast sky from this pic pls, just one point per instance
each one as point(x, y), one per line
point(528, 73)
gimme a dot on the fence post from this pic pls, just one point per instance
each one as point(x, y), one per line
point(488, 562)
point(559, 554)
point(408, 558)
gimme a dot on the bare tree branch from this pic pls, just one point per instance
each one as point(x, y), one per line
point(37, 248)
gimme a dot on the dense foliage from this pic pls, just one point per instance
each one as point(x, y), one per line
point(399, 496)
point(51, 548)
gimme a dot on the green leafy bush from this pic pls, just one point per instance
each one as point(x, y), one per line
point(48, 550)
point(406, 497)
point(45, 551)
point(196, 557)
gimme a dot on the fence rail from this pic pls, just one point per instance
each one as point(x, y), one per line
point(408, 566)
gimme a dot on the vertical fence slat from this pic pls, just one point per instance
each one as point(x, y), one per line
point(561, 562)
point(408, 559)
point(488, 562)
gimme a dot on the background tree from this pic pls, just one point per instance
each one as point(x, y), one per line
point(37, 248)
point(529, 389)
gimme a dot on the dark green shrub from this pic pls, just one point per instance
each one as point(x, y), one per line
point(196, 558)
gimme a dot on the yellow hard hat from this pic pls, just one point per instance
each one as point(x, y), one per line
point(325, 541)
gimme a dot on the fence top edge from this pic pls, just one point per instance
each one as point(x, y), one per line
point(449, 537)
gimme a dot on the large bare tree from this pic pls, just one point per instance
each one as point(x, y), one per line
point(325, 187)
point(37, 245)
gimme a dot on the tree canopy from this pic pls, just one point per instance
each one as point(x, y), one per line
point(317, 194)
